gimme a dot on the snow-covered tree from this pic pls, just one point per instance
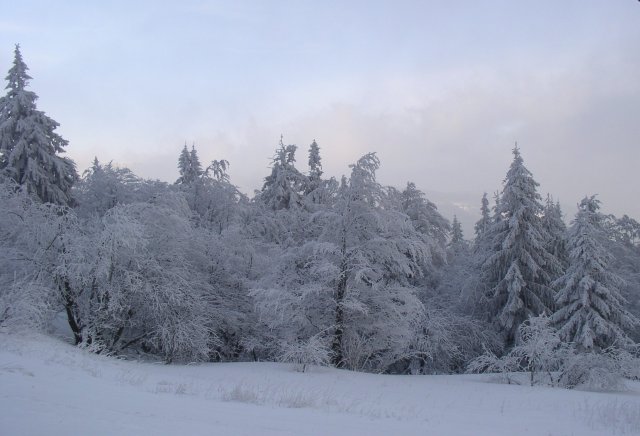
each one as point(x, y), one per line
point(139, 276)
point(556, 230)
point(457, 242)
point(518, 269)
point(428, 222)
point(316, 190)
point(482, 225)
point(457, 283)
point(219, 170)
point(29, 235)
point(539, 350)
point(623, 241)
point(351, 284)
point(103, 187)
point(315, 162)
point(282, 189)
point(189, 166)
point(591, 310)
point(29, 146)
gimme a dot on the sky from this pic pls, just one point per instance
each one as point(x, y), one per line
point(440, 90)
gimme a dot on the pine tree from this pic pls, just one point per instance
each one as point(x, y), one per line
point(317, 191)
point(591, 310)
point(189, 166)
point(282, 189)
point(485, 219)
point(556, 229)
point(184, 164)
point(518, 269)
point(315, 162)
point(29, 145)
point(196, 167)
point(457, 243)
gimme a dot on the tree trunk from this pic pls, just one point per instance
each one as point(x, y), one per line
point(337, 358)
point(70, 306)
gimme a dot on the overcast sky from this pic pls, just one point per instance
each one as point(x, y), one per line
point(441, 90)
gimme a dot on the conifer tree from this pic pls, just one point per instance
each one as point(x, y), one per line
point(457, 243)
point(518, 269)
point(317, 191)
point(183, 164)
point(196, 167)
point(485, 218)
point(591, 310)
point(282, 189)
point(556, 229)
point(29, 145)
point(315, 162)
point(189, 166)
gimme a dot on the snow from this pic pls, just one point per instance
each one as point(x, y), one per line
point(51, 388)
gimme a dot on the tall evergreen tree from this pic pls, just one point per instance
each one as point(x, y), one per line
point(282, 189)
point(316, 190)
point(189, 166)
point(591, 310)
point(556, 229)
point(518, 270)
point(315, 162)
point(485, 218)
point(184, 163)
point(196, 167)
point(457, 243)
point(29, 145)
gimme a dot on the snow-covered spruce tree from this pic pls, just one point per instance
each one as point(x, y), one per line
point(29, 146)
point(282, 189)
point(457, 243)
point(189, 166)
point(457, 276)
point(316, 190)
point(461, 279)
point(482, 225)
point(315, 166)
point(518, 269)
point(556, 230)
point(591, 310)
point(484, 233)
point(196, 167)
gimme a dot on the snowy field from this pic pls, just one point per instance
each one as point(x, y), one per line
point(48, 387)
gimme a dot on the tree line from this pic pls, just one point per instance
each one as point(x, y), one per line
point(310, 269)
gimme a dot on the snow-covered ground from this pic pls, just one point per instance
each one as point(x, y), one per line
point(48, 387)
